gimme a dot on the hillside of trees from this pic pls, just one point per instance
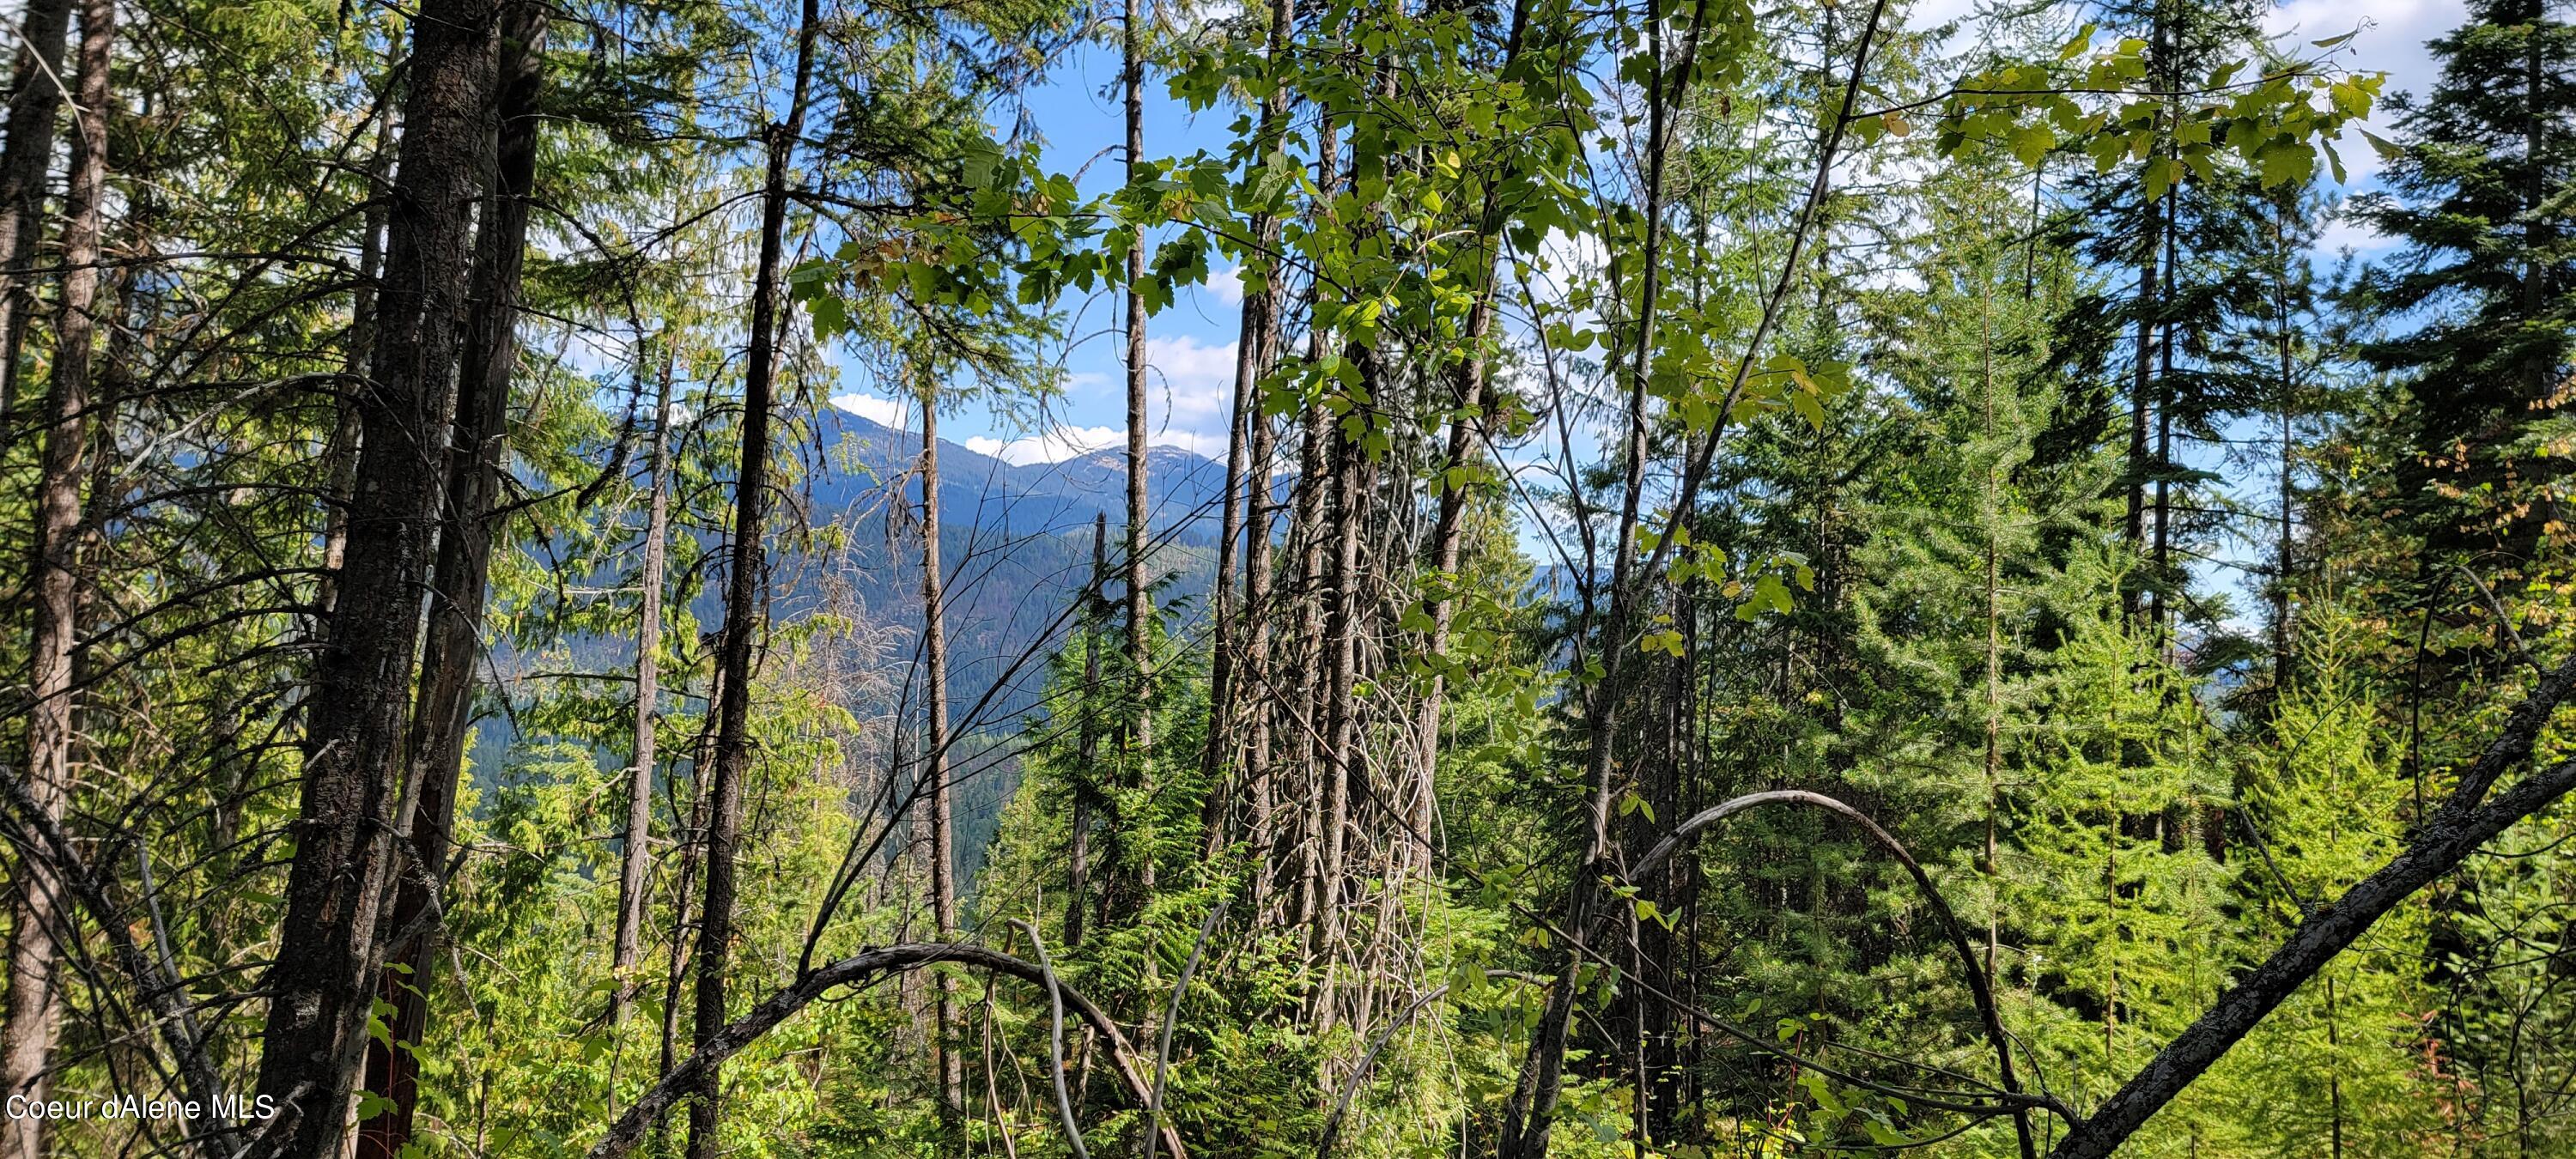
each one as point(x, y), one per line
point(1809, 578)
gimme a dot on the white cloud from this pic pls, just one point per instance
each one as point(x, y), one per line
point(1227, 285)
point(1055, 446)
point(883, 411)
point(1194, 381)
point(2391, 40)
point(2345, 233)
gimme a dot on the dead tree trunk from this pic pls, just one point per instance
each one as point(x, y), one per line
point(39, 917)
point(1140, 661)
point(934, 766)
point(637, 856)
point(743, 606)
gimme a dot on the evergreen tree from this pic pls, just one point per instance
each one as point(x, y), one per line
point(2477, 303)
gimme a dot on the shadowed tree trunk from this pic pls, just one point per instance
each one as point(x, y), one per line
point(36, 100)
point(323, 986)
point(39, 917)
point(478, 442)
point(743, 607)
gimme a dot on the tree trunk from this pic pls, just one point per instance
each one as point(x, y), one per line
point(1253, 346)
point(1530, 1113)
point(479, 439)
point(340, 449)
point(743, 605)
point(323, 986)
point(1992, 501)
point(1078, 857)
point(2284, 664)
point(1341, 766)
point(1140, 721)
point(2157, 612)
point(692, 843)
point(636, 858)
point(934, 765)
point(1306, 530)
point(2142, 372)
point(36, 100)
point(1260, 786)
point(39, 919)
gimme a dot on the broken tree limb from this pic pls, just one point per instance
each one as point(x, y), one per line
point(859, 968)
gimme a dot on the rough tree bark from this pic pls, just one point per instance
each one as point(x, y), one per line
point(36, 100)
point(942, 853)
point(323, 985)
point(38, 914)
point(743, 604)
point(426, 818)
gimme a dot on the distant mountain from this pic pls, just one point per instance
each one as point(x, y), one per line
point(1017, 500)
point(1016, 542)
point(1015, 539)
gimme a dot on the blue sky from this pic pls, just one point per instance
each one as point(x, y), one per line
point(1191, 346)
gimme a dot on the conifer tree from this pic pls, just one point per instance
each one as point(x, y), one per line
point(2477, 301)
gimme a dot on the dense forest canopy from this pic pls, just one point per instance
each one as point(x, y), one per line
point(1736, 579)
